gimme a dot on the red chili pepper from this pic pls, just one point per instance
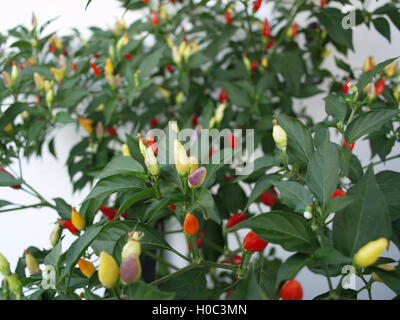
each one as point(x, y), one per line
point(68, 224)
point(237, 260)
point(253, 66)
point(96, 56)
point(21, 67)
point(195, 120)
point(270, 43)
point(74, 66)
point(154, 122)
point(233, 143)
point(146, 1)
point(96, 70)
point(235, 219)
point(128, 56)
point(228, 177)
point(323, 3)
point(338, 193)
point(154, 18)
point(228, 17)
point(53, 48)
point(257, 5)
point(350, 146)
point(172, 207)
point(169, 67)
point(210, 154)
point(184, 34)
point(15, 186)
point(110, 213)
point(266, 29)
point(346, 88)
point(173, 1)
point(253, 243)
point(295, 29)
point(268, 199)
point(292, 290)
point(223, 96)
point(111, 131)
point(229, 293)
point(152, 143)
point(380, 86)
point(38, 98)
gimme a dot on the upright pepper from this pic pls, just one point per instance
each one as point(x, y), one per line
point(252, 243)
point(86, 267)
point(370, 253)
point(191, 224)
point(77, 220)
point(108, 270)
point(292, 290)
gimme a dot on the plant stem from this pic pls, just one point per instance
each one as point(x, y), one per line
point(216, 296)
point(160, 259)
point(173, 275)
point(383, 161)
point(37, 205)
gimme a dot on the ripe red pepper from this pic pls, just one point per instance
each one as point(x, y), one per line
point(210, 154)
point(128, 56)
point(292, 290)
point(350, 146)
point(228, 17)
point(253, 66)
point(266, 29)
point(235, 219)
point(53, 48)
point(109, 213)
point(323, 3)
point(257, 5)
point(199, 241)
point(68, 224)
point(237, 260)
point(74, 66)
point(96, 56)
point(380, 86)
point(229, 177)
point(111, 131)
point(21, 67)
point(223, 96)
point(96, 70)
point(154, 122)
point(195, 120)
point(170, 68)
point(270, 43)
point(172, 207)
point(146, 1)
point(38, 98)
point(338, 193)
point(173, 1)
point(253, 243)
point(152, 143)
point(233, 143)
point(345, 88)
point(15, 186)
point(155, 20)
point(295, 29)
point(268, 199)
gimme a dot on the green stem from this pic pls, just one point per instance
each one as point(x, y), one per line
point(173, 275)
point(219, 265)
point(383, 161)
point(37, 205)
point(218, 294)
point(195, 250)
point(159, 259)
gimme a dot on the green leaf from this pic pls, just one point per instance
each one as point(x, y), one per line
point(390, 278)
point(156, 206)
point(34, 131)
point(64, 117)
point(323, 171)
point(337, 204)
point(79, 246)
point(295, 195)
point(113, 184)
point(332, 18)
point(335, 108)
point(260, 165)
point(150, 62)
point(54, 256)
point(248, 288)
point(7, 180)
point(142, 291)
point(389, 184)
point(382, 26)
point(4, 203)
point(267, 271)
point(63, 209)
point(146, 193)
point(300, 144)
point(237, 95)
point(291, 267)
point(289, 230)
point(368, 122)
point(364, 220)
point(367, 77)
point(11, 113)
point(328, 255)
point(205, 202)
point(261, 185)
point(121, 165)
point(188, 285)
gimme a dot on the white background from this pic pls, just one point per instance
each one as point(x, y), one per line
point(19, 230)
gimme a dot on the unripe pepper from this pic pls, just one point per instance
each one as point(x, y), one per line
point(14, 74)
point(194, 164)
point(385, 267)
point(130, 269)
point(4, 266)
point(86, 124)
point(370, 253)
point(182, 163)
point(31, 263)
point(133, 245)
point(253, 243)
point(151, 162)
point(292, 31)
point(55, 235)
point(369, 64)
point(196, 178)
point(15, 285)
point(279, 135)
point(191, 224)
point(219, 113)
point(292, 290)
point(39, 81)
point(108, 270)
point(77, 220)
point(235, 219)
point(8, 83)
point(86, 267)
point(125, 150)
